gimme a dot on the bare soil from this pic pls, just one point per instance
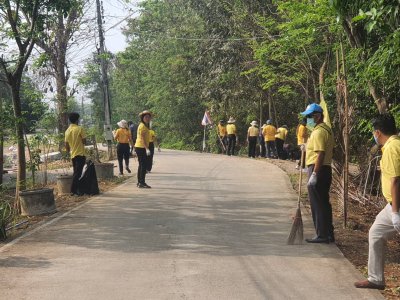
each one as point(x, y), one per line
point(64, 203)
point(353, 240)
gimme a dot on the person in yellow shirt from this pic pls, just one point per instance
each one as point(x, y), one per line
point(75, 139)
point(318, 160)
point(302, 136)
point(222, 135)
point(152, 142)
point(269, 133)
point(280, 138)
point(252, 135)
point(231, 132)
point(124, 138)
point(387, 222)
point(263, 150)
point(142, 147)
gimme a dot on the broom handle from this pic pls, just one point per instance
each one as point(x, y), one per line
point(301, 178)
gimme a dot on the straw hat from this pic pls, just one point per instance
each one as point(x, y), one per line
point(146, 112)
point(122, 124)
point(231, 120)
point(254, 123)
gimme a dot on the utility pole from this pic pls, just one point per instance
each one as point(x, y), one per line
point(106, 92)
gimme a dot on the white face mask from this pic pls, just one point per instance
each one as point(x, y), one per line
point(310, 122)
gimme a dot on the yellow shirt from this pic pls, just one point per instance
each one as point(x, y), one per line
point(302, 134)
point(390, 165)
point(142, 130)
point(152, 136)
point(231, 129)
point(321, 140)
point(252, 131)
point(123, 135)
point(73, 136)
point(281, 133)
point(269, 132)
point(221, 130)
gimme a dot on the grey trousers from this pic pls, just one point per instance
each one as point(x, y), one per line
point(321, 208)
point(379, 233)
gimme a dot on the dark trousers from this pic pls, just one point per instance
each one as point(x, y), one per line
point(231, 144)
point(271, 150)
point(150, 158)
point(321, 208)
point(78, 162)
point(252, 146)
point(123, 152)
point(142, 168)
point(263, 150)
point(279, 148)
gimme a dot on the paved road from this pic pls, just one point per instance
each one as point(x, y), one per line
point(212, 227)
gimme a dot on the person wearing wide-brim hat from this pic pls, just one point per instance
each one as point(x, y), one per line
point(319, 152)
point(124, 141)
point(252, 134)
point(231, 131)
point(142, 147)
point(280, 138)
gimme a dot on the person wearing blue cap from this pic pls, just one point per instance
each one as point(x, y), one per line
point(319, 152)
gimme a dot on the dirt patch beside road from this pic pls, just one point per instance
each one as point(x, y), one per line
point(353, 240)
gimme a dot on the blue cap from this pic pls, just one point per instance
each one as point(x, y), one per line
point(269, 122)
point(314, 107)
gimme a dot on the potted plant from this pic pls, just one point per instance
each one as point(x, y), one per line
point(64, 180)
point(104, 170)
point(37, 201)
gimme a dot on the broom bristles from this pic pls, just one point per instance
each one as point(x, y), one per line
point(297, 229)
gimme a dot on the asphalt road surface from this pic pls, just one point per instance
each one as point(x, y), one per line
point(212, 227)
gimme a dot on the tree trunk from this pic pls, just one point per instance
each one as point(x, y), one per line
point(380, 100)
point(1, 145)
point(19, 130)
point(269, 106)
point(321, 79)
point(62, 98)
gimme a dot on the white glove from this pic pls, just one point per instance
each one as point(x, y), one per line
point(303, 147)
point(396, 221)
point(148, 153)
point(312, 181)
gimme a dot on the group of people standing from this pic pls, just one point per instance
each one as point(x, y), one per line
point(142, 140)
point(271, 139)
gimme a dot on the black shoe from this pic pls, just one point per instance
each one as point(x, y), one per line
point(143, 186)
point(120, 174)
point(318, 240)
point(127, 169)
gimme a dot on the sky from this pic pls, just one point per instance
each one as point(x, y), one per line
point(115, 14)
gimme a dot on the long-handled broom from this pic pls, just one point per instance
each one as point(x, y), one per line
point(297, 226)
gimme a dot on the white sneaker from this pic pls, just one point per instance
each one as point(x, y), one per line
point(297, 167)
